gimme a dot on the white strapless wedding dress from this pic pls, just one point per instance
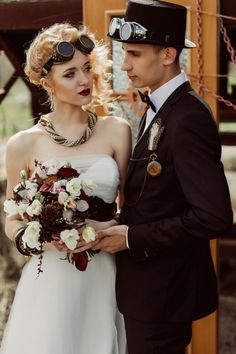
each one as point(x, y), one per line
point(66, 311)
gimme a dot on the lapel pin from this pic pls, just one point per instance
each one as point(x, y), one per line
point(154, 167)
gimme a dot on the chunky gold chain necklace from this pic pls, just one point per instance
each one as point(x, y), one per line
point(49, 128)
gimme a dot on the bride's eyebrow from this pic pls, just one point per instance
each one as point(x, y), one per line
point(69, 69)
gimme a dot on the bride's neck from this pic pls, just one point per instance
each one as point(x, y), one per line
point(68, 115)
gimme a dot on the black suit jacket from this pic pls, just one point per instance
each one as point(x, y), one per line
point(168, 273)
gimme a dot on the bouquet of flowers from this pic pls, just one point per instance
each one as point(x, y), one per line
point(55, 201)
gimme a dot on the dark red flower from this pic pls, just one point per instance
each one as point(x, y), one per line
point(84, 196)
point(67, 172)
point(80, 260)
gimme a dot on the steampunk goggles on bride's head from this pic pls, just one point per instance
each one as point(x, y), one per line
point(126, 30)
point(65, 51)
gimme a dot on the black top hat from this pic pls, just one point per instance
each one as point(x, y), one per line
point(152, 22)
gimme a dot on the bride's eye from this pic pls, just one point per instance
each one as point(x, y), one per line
point(69, 75)
point(87, 68)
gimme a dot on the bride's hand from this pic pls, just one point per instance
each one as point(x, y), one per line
point(59, 244)
point(97, 226)
point(84, 246)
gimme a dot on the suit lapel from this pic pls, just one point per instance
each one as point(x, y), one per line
point(142, 125)
point(163, 113)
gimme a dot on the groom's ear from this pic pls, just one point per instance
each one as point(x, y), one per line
point(169, 55)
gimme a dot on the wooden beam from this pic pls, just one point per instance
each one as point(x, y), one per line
point(14, 60)
point(8, 86)
point(35, 15)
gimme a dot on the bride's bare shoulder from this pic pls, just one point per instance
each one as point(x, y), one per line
point(23, 139)
point(114, 122)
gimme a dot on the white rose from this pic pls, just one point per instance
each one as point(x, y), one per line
point(57, 186)
point(62, 182)
point(41, 172)
point(35, 208)
point(89, 234)
point(62, 197)
point(82, 205)
point(52, 167)
point(74, 186)
point(22, 209)
point(88, 186)
point(31, 235)
point(70, 238)
point(29, 191)
point(32, 187)
point(10, 207)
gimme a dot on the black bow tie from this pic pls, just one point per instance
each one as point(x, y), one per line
point(146, 99)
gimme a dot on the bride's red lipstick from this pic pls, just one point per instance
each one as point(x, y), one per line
point(85, 92)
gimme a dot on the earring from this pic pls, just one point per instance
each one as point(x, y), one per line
point(51, 99)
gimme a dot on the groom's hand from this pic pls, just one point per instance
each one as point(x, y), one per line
point(112, 240)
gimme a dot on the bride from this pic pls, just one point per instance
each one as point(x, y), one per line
point(64, 310)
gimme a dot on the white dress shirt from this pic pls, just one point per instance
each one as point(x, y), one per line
point(160, 95)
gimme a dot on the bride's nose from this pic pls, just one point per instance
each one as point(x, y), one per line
point(83, 79)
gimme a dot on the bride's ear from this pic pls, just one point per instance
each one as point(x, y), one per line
point(46, 84)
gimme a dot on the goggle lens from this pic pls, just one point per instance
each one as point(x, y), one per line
point(115, 25)
point(65, 51)
point(85, 44)
point(126, 30)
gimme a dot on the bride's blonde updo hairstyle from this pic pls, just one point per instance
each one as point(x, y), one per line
point(41, 50)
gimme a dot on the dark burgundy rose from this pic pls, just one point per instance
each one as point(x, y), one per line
point(84, 196)
point(67, 172)
point(80, 260)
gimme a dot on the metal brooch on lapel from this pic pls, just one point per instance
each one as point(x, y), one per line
point(154, 167)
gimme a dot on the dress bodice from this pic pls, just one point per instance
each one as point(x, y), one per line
point(101, 169)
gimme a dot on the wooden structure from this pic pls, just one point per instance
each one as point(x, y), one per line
point(19, 23)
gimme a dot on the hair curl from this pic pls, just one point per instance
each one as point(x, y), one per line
point(41, 50)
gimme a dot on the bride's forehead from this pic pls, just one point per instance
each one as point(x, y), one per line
point(78, 61)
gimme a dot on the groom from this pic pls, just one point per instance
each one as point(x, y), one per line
point(176, 195)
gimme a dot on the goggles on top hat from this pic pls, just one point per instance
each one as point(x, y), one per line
point(65, 51)
point(158, 23)
point(126, 29)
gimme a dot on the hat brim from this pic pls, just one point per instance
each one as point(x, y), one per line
point(187, 43)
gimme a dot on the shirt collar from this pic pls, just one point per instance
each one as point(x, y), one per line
point(160, 95)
